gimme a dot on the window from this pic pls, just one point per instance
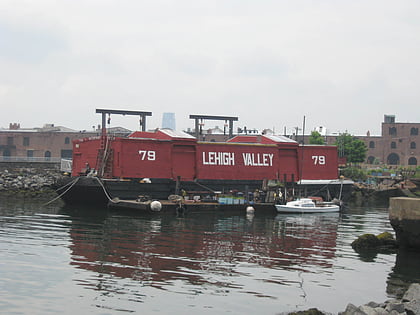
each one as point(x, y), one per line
point(66, 154)
point(393, 145)
point(372, 144)
point(393, 159)
point(412, 145)
point(30, 153)
point(414, 131)
point(67, 140)
point(392, 131)
point(26, 141)
point(47, 155)
point(9, 140)
point(412, 161)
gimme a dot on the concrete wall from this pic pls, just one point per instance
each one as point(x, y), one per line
point(404, 216)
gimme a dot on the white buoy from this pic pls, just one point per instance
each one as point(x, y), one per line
point(155, 205)
point(250, 217)
point(250, 209)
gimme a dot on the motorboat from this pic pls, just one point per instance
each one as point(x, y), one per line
point(307, 205)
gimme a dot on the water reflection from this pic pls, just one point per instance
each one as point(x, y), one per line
point(214, 262)
point(200, 248)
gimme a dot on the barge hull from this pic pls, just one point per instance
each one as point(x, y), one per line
point(92, 190)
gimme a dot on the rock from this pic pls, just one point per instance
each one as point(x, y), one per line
point(369, 243)
point(311, 311)
point(408, 305)
point(368, 310)
point(397, 307)
point(413, 293)
point(373, 304)
point(352, 310)
point(386, 238)
point(365, 241)
point(27, 180)
point(412, 307)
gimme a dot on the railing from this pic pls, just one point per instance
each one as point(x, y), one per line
point(66, 165)
point(30, 159)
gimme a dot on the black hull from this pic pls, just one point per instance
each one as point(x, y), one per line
point(81, 190)
point(92, 190)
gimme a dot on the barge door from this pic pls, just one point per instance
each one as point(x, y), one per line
point(183, 162)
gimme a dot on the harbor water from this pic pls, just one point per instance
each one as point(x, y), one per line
point(57, 259)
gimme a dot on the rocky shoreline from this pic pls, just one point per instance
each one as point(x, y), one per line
point(365, 194)
point(28, 180)
point(409, 304)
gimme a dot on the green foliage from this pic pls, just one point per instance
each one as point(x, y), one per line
point(385, 237)
point(352, 148)
point(354, 173)
point(417, 172)
point(316, 138)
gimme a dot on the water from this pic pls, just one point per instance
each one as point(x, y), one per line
point(56, 259)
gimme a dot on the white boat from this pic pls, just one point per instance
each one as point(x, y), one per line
point(307, 205)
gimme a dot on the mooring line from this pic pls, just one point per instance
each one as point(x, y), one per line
point(63, 193)
point(104, 189)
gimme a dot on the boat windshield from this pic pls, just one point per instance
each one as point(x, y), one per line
point(308, 205)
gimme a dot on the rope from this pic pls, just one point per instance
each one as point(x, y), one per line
point(104, 189)
point(322, 188)
point(74, 183)
point(69, 183)
point(63, 193)
point(205, 187)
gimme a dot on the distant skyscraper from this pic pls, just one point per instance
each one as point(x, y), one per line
point(168, 121)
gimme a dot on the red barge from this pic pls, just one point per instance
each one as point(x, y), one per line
point(165, 162)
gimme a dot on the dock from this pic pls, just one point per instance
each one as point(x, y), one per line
point(167, 206)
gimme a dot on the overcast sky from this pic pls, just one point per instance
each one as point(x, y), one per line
point(342, 64)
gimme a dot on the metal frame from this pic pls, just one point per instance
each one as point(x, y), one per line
point(104, 112)
point(208, 117)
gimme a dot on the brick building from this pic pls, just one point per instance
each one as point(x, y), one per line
point(49, 143)
point(398, 144)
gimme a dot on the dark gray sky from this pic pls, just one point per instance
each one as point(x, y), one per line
point(341, 64)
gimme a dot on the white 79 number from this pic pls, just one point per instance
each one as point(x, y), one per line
point(318, 159)
point(147, 155)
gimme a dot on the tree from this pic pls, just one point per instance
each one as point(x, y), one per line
point(316, 138)
point(352, 148)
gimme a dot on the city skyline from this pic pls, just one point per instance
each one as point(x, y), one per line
point(207, 125)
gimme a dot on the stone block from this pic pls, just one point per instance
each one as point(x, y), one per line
point(404, 215)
